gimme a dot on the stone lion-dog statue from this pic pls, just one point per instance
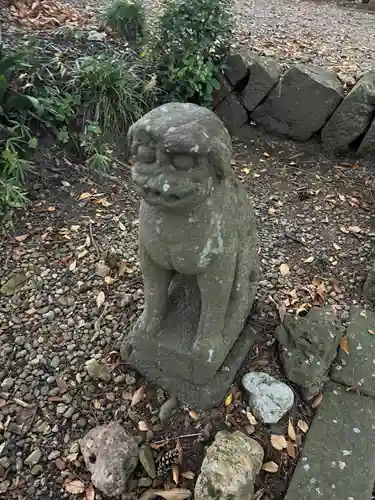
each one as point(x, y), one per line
point(197, 244)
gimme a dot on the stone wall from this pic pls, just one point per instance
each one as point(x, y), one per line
point(298, 102)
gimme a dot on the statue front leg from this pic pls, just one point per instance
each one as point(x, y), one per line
point(156, 282)
point(215, 286)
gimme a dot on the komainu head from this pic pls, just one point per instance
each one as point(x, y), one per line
point(181, 152)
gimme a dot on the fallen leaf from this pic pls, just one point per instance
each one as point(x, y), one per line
point(291, 449)
point(137, 396)
point(72, 265)
point(291, 431)
point(194, 414)
point(251, 418)
point(278, 442)
point(284, 269)
point(84, 196)
point(122, 226)
point(317, 401)
point(90, 492)
point(21, 237)
point(320, 290)
point(173, 494)
point(75, 487)
point(142, 426)
point(100, 299)
point(335, 285)
point(228, 399)
point(109, 281)
point(344, 344)
point(188, 475)
point(354, 229)
point(301, 424)
point(175, 473)
point(102, 269)
point(344, 230)
point(270, 467)
point(309, 259)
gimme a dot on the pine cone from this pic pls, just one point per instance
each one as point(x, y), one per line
point(166, 461)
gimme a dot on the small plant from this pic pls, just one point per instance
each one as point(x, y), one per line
point(15, 135)
point(126, 17)
point(111, 93)
point(188, 44)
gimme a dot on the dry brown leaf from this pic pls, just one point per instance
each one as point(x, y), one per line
point(320, 290)
point(317, 401)
point(291, 449)
point(278, 442)
point(137, 396)
point(251, 418)
point(90, 492)
point(335, 285)
point(173, 494)
point(100, 299)
point(194, 414)
point(142, 426)
point(188, 475)
point(344, 344)
point(270, 467)
point(301, 424)
point(21, 237)
point(175, 473)
point(102, 269)
point(75, 487)
point(284, 269)
point(291, 431)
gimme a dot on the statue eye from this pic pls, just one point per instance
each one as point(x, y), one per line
point(146, 154)
point(183, 162)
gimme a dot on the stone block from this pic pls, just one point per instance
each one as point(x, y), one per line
point(352, 117)
point(338, 458)
point(219, 95)
point(308, 346)
point(232, 113)
point(357, 369)
point(264, 75)
point(301, 103)
point(367, 145)
point(236, 68)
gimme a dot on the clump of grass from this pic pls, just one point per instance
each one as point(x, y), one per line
point(126, 17)
point(111, 92)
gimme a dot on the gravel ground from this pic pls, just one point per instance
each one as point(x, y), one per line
point(320, 32)
point(71, 286)
point(75, 288)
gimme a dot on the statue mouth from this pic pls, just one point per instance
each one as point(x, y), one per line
point(158, 197)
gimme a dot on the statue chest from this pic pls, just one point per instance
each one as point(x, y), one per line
point(184, 244)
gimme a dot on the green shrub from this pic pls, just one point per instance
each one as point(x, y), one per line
point(111, 92)
point(16, 138)
point(188, 44)
point(126, 17)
